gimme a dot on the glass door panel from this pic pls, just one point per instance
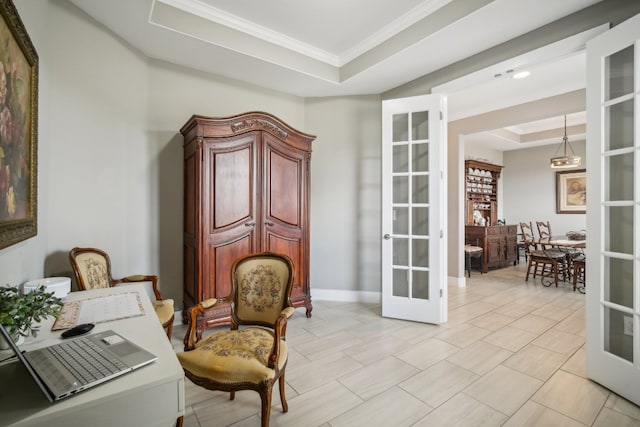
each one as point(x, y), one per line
point(613, 210)
point(408, 138)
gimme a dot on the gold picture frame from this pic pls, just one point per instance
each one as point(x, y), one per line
point(571, 192)
point(18, 129)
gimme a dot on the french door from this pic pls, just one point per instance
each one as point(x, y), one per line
point(413, 207)
point(613, 210)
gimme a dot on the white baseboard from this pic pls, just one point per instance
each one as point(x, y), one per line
point(345, 296)
point(460, 282)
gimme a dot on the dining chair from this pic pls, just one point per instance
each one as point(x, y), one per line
point(544, 233)
point(255, 356)
point(473, 251)
point(543, 262)
point(92, 270)
point(579, 273)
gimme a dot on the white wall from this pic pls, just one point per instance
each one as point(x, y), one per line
point(110, 158)
point(530, 188)
point(345, 195)
point(110, 153)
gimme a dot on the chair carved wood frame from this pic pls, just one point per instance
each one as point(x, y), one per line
point(253, 354)
point(92, 270)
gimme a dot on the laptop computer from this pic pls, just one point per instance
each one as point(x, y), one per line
point(64, 369)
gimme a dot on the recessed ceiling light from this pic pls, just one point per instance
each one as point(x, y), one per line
point(521, 75)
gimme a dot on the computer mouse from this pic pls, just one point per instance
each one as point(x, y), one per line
point(77, 330)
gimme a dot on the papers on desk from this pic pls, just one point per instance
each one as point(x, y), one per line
point(99, 309)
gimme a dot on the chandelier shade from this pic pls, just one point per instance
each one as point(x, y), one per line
point(567, 160)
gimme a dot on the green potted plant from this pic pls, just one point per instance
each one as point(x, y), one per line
point(20, 313)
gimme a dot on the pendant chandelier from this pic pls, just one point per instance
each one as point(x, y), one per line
point(565, 161)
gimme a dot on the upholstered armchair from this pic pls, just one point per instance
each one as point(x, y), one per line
point(252, 355)
point(92, 270)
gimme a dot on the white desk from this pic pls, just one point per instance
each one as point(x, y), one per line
point(150, 396)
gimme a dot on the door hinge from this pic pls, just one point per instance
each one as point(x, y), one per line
point(441, 234)
point(440, 293)
point(441, 115)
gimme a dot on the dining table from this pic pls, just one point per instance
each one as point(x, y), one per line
point(564, 242)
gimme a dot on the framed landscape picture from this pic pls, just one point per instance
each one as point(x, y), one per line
point(571, 192)
point(18, 129)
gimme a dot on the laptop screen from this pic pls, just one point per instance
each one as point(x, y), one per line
point(25, 363)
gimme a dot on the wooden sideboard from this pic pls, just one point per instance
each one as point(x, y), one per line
point(499, 242)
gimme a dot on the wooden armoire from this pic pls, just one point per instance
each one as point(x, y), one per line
point(246, 190)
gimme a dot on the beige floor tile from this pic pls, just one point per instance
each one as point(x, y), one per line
point(413, 332)
point(536, 362)
point(457, 317)
point(190, 419)
point(331, 326)
point(558, 341)
point(514, 310)
point(533, 415)
point(223, 412)
point(553, 312)
point(575, 323)
point(510, 338)
point(623, 406)
point(576, 363)
point(322, 346)
point(463, 335)
point(462, 410)
point(373, 350)
point(305, 377)
point(478, 308)
point(503, 389)
point(370, 380)
point(438, 383)
point(427, 353)
point(315, 407)
point(608, 418)
point(491, 321)
point(480, 357)
point(394, 407)
point(534, 324)
point(572, 396)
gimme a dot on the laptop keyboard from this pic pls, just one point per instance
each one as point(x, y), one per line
point(85, 360)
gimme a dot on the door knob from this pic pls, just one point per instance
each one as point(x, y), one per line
point(387, 236)
point(269, 223)
point(249, 224)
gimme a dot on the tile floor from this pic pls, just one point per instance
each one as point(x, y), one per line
point(512, 354)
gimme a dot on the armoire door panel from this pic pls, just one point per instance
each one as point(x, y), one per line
point(220, 260)
point(284, 202)
point(233, 184)
point(294, 248)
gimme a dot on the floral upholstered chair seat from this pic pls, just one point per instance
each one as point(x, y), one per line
point(253, 354)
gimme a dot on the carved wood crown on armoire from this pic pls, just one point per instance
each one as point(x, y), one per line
point(246, 190)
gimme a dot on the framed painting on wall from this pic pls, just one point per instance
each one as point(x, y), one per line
point(571, 192)
point(18, 129)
